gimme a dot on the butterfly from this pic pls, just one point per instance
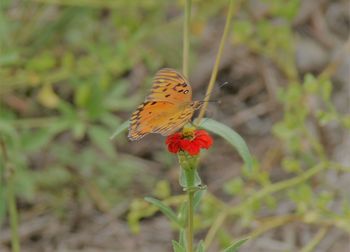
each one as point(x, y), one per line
point(166, 109)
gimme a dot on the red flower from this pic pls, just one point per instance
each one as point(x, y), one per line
point(191, 143)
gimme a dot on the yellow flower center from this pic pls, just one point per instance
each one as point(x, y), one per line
point(188, 131)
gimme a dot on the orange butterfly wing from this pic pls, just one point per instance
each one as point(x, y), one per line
point(166, 109)
point(169, 85)
point(158, 117)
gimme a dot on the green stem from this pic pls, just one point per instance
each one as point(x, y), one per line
point(190, 178)
point(217, 62)
point(186, 38)
point(190, 195)
point(315, 240)
point(279, 186)
point(276, 187)
point(11, 198)
point(12, 208)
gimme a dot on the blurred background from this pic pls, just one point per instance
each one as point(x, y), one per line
point(73, 70)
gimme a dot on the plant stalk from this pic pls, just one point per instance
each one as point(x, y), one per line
point(217, 63)
point(189, 173)
point(11, 198)
point(190, 178)
point(275, 187)
point(186, 39)
point(12, 208)
point(190, 222)
point(315, 240)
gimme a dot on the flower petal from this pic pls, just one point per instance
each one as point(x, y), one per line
point(178, 141)
point(204, 140)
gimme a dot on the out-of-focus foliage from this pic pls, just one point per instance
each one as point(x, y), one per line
point(64, 74)
point(71, 72)
point(64, 82)
point(307, 106)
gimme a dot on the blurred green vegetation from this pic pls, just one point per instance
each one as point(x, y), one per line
point(66, 84)
point(65, 88)
point(64, 72)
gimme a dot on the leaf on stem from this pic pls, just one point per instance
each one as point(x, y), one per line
point(200, 247)
point(167, 211)
point(197, 198)
point(182, 214)
point(236, 245)
point(178, 247)
point(182, 237)
point(230, 136)
point(122, 127)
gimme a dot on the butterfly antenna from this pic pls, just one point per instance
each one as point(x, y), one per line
point(220, 86)
point(217, 101)
point(223, 84)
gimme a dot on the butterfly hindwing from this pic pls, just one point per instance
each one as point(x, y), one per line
point(158, 117)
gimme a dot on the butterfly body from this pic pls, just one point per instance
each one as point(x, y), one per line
point(168, 107)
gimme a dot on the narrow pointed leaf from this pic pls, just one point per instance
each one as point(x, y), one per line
point(230, 136)
point(178, 247)
point(197, 198)
point(167, 211)
point(182, 237)
point(122, 127)
point(182, 214)
point(200, 247)
point(236, 245)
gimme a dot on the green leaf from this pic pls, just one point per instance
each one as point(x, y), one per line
point(182, 214)
point(110, 120)
point(184, 173)
point(99, 136)
point(167, 211)
point(178, 247)
point(200, 247)
point(326, 89)
point(234, 186)
point(124, 126)
point(230, 136)
point(35, 140)
point(3, 206)
point(236, 245)
point(42, 62)
point(197, 198)
point(82, 95)
point(310, 83)
point(8, 58)
point(182, 237)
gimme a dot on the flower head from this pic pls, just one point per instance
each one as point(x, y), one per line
point(189, 140)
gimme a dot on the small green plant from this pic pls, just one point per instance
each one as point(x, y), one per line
point(187, 145)
point(303, 158)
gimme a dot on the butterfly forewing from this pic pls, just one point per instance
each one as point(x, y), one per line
point(168, 107)
point(169, 85)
